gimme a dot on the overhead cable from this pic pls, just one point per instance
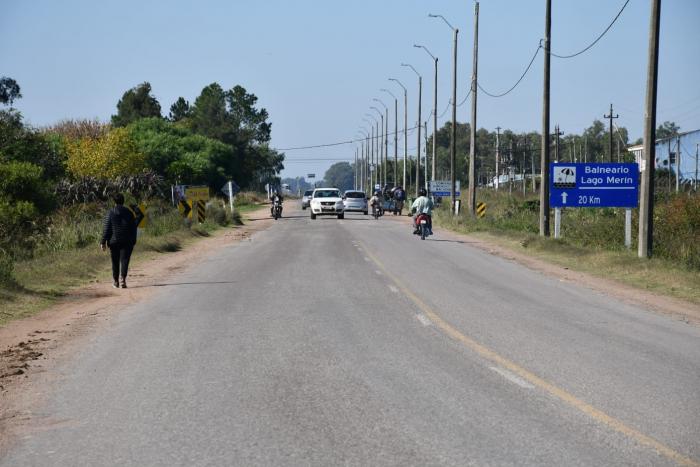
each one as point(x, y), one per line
point(532, 60)
point(597, 39)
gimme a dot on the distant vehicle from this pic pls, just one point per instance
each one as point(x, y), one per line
point(306, 199)
point(327, 202)
point(356, 201)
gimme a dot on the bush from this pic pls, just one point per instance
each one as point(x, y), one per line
point(6, 268)
point(216, 213)
point(111, 156)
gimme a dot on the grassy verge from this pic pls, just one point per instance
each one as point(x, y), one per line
point(593, 242)
point(69, 255)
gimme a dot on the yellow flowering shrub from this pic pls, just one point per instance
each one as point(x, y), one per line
point(110, 156)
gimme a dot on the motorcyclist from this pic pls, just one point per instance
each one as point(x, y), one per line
point(423, 205)
point(275, 198)
point(376, 201)
point(399, 196)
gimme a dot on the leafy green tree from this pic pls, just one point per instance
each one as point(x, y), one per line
point(340, 175)
point(9, 90)
point(22, 144)
point(136, 103)
point(667, 130)
point(180, 110)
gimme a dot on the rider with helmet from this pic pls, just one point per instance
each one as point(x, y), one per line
point(423, 205)
point(376, 201)
point(276, 197)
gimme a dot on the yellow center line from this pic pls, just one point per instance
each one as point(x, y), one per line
point(541, 383)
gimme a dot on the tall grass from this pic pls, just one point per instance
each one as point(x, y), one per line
point(676, 223)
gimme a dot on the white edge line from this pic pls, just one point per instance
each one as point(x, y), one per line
point(512, 378)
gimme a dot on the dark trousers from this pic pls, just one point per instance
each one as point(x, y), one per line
point(121, 254)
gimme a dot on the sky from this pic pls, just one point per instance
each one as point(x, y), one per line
point(317, 65)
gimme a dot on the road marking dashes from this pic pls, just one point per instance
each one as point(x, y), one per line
point(393, 288)
point(424, 320)
point(512, 378)
point(366, 259)
point(379, 273)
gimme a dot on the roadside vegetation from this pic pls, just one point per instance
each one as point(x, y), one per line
point(593, 239)
point(56, 182)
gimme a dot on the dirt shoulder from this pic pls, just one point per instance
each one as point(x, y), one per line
point(30, 347)
point(670, 306)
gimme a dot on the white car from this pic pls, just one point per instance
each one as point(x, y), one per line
point(355, 200)
point(327, 202)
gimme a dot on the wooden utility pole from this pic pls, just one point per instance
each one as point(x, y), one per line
point(557, 134)
point(498, 156)
point(544, 162)
point(611, 117)
point(472, 142)
point(646, 195)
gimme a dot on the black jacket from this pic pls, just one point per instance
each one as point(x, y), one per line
point(120, 227)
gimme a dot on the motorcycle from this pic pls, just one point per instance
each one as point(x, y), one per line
point(277, 209)
point(423, 226)
point(376, 211)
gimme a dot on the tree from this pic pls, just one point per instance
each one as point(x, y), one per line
point(114, 155)
point(667, 130)
point(9, 90)
point(340, 175)
point(136, 103)
point(180, 110)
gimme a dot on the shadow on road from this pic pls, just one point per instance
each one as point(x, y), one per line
point(173, 284)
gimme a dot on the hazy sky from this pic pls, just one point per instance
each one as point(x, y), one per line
point(317, 65)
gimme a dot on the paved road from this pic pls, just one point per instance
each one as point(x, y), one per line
point(352, 342)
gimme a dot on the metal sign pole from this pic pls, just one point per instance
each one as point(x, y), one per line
point(628, 228)
point(557, 222)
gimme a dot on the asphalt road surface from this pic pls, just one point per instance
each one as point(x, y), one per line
point(353, 342)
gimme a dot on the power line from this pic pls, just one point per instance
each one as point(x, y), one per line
point(339, 143)
point(597, 39)
point(519, 79)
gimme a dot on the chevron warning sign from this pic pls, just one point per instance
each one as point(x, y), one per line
point(185, 208)
point(201, 209)
point(481, 209)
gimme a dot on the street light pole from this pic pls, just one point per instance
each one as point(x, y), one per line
point(405, 127)
point(435, 99)
point(453, 136)
point(420, 91)
point(380, 145)
point(396, 134)
point(386, 139)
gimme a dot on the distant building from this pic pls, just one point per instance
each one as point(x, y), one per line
point(677, 154)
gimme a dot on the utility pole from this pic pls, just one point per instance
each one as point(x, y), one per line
point(557, 134)
point(532, 166)
point(678, 162)
point(420, 90)
point(498, 156)
point(472, 142)
point(646, 195)
point(435, 99)
point(354, 173)
point(695, 182)
point(453, 139)
point(405, 127)
point(611, 117)
point(425, 172)
point(544, 162)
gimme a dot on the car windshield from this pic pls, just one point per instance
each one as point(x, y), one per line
point(308, 192)
point(354, 194)
point(327, 194)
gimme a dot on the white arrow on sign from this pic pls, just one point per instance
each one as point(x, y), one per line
point(563, 198)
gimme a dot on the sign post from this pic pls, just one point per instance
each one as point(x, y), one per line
point(230, 189)
point(443, 188)
point(594, 185)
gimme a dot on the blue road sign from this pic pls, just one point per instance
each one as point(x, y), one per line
point(593, 185)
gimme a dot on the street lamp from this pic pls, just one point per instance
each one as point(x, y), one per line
point(405, 127)
point(380, 148)
point(375, 150)
point(396, 133)
point(435, 99)
point(386, 138)
point(420, 90)
point(453, 139)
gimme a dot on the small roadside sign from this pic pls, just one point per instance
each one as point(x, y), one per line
point(593, 185)
point(139, 210)
point(201, 210)
point(185, 208)
point(443, 188)
point(230, 189)
point(310, 175)
point(197, 192)
point(481, 209)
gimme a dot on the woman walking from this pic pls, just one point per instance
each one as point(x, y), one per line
point(119, 233)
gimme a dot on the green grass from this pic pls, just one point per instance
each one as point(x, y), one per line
point(593, 241)
point(69, 256)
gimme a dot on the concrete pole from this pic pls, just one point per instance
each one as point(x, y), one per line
point(420, 92)
point(646, 195)
point(498, 156)
point(435, 100)
point(544, 162)
point(453, 138)
point(472, 142)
